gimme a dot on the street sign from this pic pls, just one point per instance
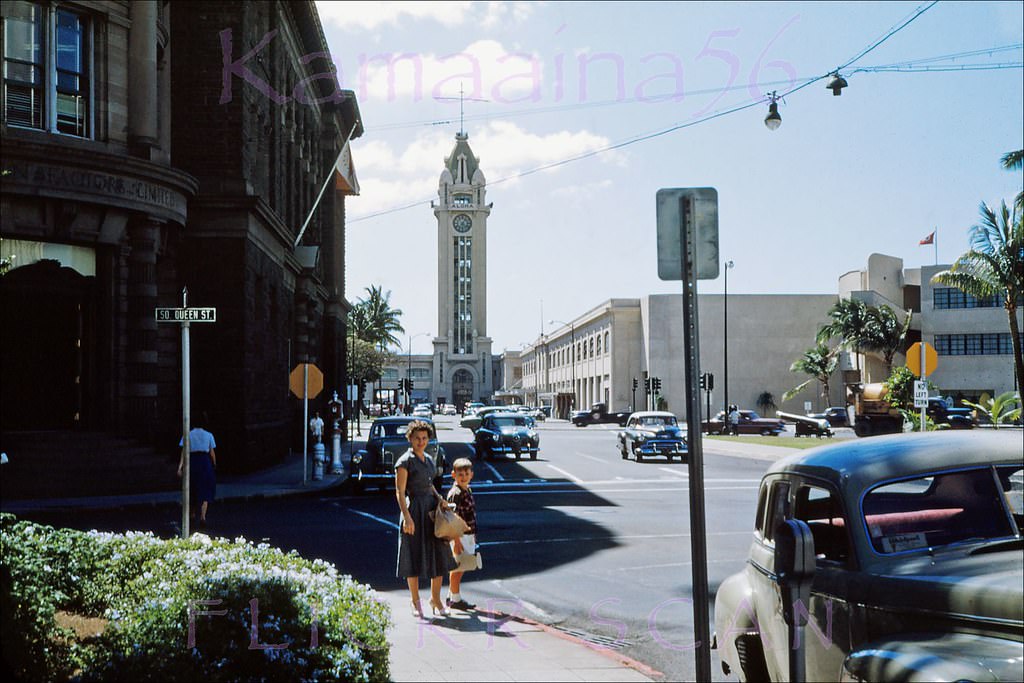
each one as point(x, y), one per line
point(920, 393)
point(186, 315)
point(931, 359)
point(676, 208)
point(296, 380)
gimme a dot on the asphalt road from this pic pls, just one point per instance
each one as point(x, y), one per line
point(580, 538)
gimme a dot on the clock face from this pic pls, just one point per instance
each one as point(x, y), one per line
point(462, 223)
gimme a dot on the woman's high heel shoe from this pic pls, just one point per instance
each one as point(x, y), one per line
point(417, 609)
point(438, 607)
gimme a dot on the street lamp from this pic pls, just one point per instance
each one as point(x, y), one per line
point(408, 372)
point(725, 339)
point(572, 357)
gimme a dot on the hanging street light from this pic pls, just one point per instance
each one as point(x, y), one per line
point(773, 120)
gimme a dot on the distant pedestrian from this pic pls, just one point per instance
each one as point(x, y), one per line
point(734, 420)
point(420, 553)
point(461, 496)
point(316, 427)
point(202, 465)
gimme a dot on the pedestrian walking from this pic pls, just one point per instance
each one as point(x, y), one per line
point(316, 427)
point(202, 479)
point(461, 497)
point(421, 555)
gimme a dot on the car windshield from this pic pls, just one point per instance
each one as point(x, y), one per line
point(657, 421)
point(509, 421)
point(944, 508)
point(389, 430)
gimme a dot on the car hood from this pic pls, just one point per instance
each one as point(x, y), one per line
point(988, 586)
point(514, 431)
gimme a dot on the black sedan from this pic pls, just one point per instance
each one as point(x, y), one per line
point(836, 416)
point(507, 433)
point(384, 445)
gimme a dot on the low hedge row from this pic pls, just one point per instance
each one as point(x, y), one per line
point(201, 608)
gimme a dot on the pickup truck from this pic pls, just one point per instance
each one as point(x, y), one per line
point(598, 414)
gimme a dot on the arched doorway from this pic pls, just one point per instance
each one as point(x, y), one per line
point(462, 388)
point(46, 346)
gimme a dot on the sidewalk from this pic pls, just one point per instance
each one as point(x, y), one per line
point(465, 646)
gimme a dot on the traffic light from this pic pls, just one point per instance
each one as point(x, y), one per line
point(636, 383)
point(647, 384)
point(711, 381)
point(410, 384)
point(656, 384)
point(704, 381)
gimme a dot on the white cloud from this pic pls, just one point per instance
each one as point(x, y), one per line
point(578, 195)
point(485, 69)
point(391, 177)
point(371, 15)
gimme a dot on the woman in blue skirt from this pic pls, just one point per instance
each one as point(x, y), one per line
point(201, 465)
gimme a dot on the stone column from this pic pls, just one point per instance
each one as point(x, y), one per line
point(142, 75)
point(141, 357)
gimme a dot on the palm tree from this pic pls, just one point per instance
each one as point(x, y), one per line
point(381, 321)
point(994, 267)
point(884, 333)
point(849, 321)
point(1014, 161)
point(819, 362)
point(999, 410)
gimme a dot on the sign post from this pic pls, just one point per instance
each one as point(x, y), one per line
point(922, 361)
point(183, 316)
point(306, 382)
point(688, 251)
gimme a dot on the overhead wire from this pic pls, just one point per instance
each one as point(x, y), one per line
point(720, 113)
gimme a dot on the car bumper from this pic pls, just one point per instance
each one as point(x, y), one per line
point(662, 447)
point(506, 448)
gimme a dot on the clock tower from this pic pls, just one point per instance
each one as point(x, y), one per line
point(462, 349)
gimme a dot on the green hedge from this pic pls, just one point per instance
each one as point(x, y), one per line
point(142, 588)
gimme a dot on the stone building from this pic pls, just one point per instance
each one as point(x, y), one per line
point(154, 147)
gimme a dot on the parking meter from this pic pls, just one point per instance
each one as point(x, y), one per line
point(794, 571)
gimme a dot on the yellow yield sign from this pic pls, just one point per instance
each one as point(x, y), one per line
point(931, 359)
point(297, 381)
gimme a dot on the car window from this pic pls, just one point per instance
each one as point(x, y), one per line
point(820, 508)
point(937, 510)
point(1011, 480)
point(658, 421)
point(778, 508)
point(762, 502)
point(508, 421)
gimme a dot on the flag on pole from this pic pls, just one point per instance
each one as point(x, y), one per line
point(930, 239)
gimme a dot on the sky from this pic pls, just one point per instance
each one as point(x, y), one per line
point(581, 112)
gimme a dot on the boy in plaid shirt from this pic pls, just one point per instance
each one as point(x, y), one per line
point(462, 497)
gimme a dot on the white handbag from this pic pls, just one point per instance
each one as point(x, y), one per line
point(468, 563)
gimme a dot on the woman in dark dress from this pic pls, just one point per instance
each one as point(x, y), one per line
point(420, 553)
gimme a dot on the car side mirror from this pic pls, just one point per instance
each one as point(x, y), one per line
point(794, 568)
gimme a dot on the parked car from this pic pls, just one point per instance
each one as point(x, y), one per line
point(530, 411)
point(914, 561)
point(385, 443)
point(472, 421)
point(449, 409)
point(836, 416)
point(506, 432)
point(472, 407)
point(599, 414)
point(650, 433)
point(750, 423)
point(422, 410)
point(941, 411)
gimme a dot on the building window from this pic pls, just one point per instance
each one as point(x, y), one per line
point(607, 348)
point(462, 248)
point(599, 344)
point(591, 347)
point(992, 344)
point(46, 69)
point(950, 297)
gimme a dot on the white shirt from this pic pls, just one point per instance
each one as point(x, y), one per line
point(316, 425)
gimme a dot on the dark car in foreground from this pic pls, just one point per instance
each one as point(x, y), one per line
point(912, 557)
point(507, 433)
point(385, 443)
point(750, 423)
point(652, 433)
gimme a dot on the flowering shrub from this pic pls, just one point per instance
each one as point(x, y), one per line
point(200, 608)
